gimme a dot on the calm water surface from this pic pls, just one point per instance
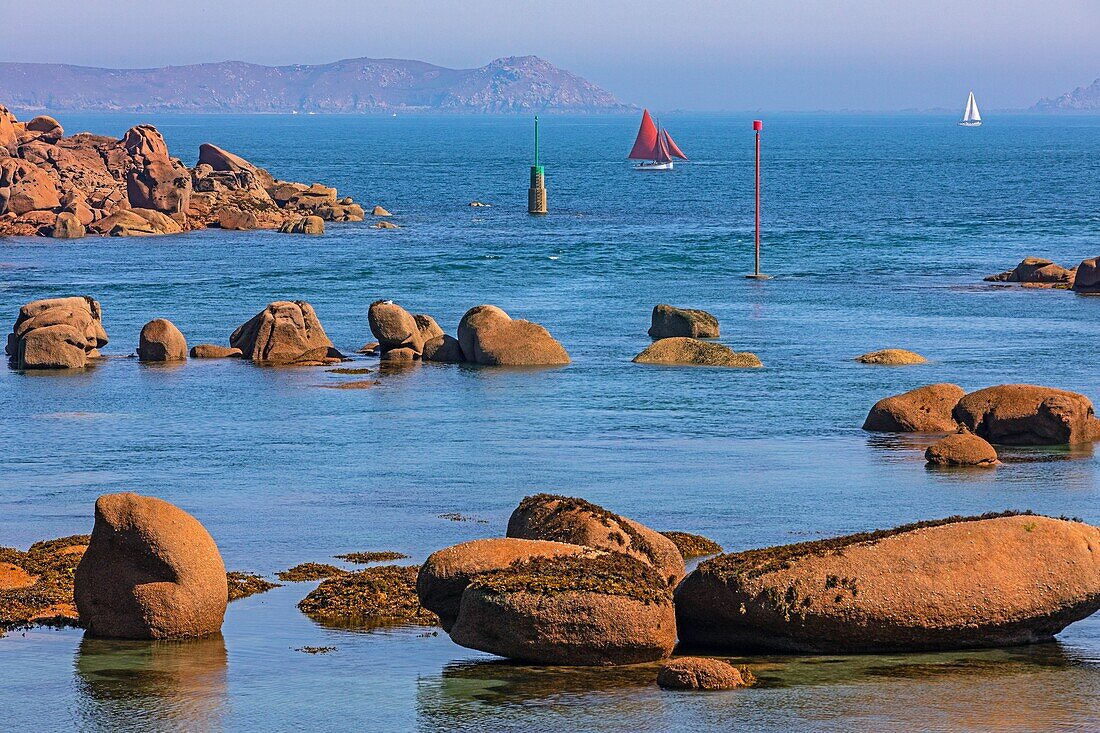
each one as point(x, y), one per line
point(878, 231)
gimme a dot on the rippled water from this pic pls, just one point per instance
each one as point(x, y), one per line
point(878, 231)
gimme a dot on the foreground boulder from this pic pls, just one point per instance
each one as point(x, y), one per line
point(699, 673)
point(56, 333)
point(1026, 414)
point(286, 332)
point(1035, 270)
point(489, 336)
point(394, 327)
point(961, 449)
point(151, 571)
point(891, 357)
point(572, 610)
point(684, 351)
point(668, 321)
point(922, 410)
point(446, 573)
point(578, 522)
point(1088, 277)
point(160, 340)
point(997, 580)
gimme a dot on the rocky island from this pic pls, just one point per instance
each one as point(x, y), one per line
point(67, 187)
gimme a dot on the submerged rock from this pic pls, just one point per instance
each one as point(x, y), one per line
point(446, 573)
point(379, 211)
point(214, 351)
point(922, 410)
point(1026, 414)
point(36, 586)
point(243, 585)
point(56, 333)
point(444, 350)
point(286, 332)
point(579, 522)
point(161, 341)
point(996, 580)
point(684, 351)
point(961, 449)
point(1035, 270)
point(891, 357)
point(151, 571)
point(699, 673)
point(489, 336)
point(573, 610)
point(310, 571)
point(380, 596)
point(668, 321)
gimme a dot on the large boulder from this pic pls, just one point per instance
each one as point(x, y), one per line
point(922, 410)
point(579, 522)
point(394, 327)
point(668, 321)
point(683, 351)
point(56, 333)
point(285, 332)
point(159, 185)
point(961, 449)
point(223, 160)
point(151, 571)
point(1027, 414)
point(489, 336)
point(160, 340)
point(45, 128)
point(891, 357)
point(446, 573)
point(957, 583)
point(145, 141)
point(66, 225)
point(571, 610)
point(29, 187)
point(303, 225)
point(1035, 270)
point(1088, 276)
point(136, 223)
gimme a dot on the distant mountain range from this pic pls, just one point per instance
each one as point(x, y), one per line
point(513, 84)
point(1081, 99)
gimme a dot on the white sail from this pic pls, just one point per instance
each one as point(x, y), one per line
point(971, 114)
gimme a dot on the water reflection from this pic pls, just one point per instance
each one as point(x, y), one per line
point(152, 685)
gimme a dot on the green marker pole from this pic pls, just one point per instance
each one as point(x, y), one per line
point(536, 194)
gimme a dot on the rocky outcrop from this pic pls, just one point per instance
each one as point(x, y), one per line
point(286, 332)
point(1088, 277)
point(214, 351)
point(668, 321)
point(571, 610)
point(98, 179)
point(1036, 270)
point(1027, 414)
point(379, 211)
point(891, 357)
point(56, 333)
point(303, 225)
point(160, 340)
point(394, 327)
point(699, 673)
point(151, 571)
point(996, 580)
point(961, 449)
point(683, 351)
point(579, 522)
point(489, 336)
point(67, 225)
point(446, 573)
point(922, 410)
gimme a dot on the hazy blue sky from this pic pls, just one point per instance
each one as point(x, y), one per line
point(759, 54)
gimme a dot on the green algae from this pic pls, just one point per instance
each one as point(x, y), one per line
point(349, 370)
point(610, 574)
point(244, 584)
point(310, 571)
point(362, 558)
point(692, 546)
point(375, 597)
point(49, 600)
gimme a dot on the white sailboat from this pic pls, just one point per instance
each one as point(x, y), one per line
point(971, 117)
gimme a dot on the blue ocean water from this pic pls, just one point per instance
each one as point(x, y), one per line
point(878, 230)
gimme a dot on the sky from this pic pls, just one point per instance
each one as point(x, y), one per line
point(771, 55)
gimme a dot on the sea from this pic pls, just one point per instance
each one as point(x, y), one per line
point(877, 231)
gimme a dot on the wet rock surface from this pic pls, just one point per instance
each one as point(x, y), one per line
point(684, 351)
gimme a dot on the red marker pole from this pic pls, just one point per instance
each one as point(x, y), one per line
point(757, 125)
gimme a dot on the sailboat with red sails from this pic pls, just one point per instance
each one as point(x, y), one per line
point(654, 147)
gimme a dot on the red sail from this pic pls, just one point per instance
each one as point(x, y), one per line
point(661, 154)
point(645, 147)
point(673, 148)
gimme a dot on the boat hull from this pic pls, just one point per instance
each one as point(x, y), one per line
point(970, 124)
point(654, 166)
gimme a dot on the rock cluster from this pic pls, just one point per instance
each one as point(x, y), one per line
point(995, 580)
point(56, 333)
point(1037, 271)
point(486, 335)
point(571, 584)
point(65, 187)
point(151, 571)
point(668, 321)
point(681, 350)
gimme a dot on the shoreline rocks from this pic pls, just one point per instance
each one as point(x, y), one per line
point(668, 321)
point(56, 333)
point(922, 410)
point(963, 582)
point(151, 571)
point(891, 357)
point(1037, 271)
point(683, 351)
